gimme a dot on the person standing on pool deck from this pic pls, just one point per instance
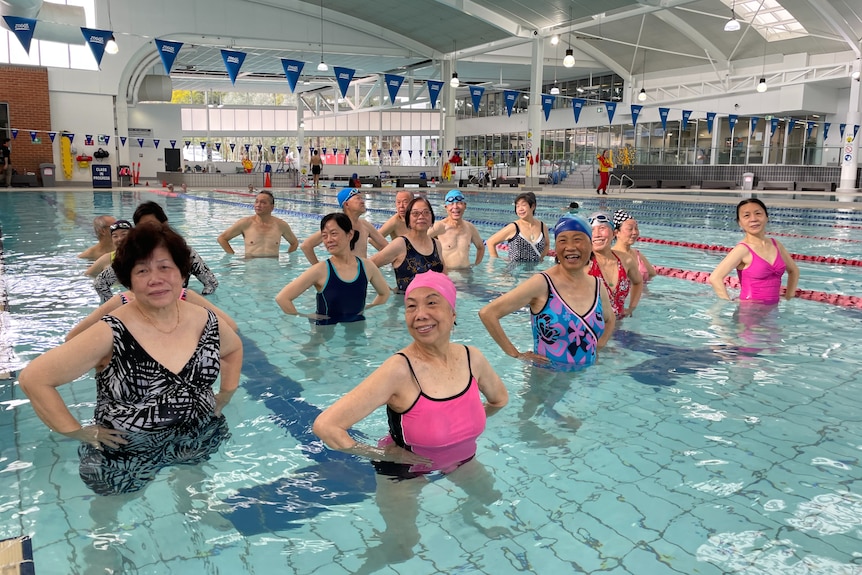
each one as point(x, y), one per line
point(570, 311)
point(456, 234)
point(101, 227)
point(316, 164)
point(352, 202)
point(341, 281)
point(262, 232)
point(759, 261)
point(606, 166)
point(395, 226)
point(156, 359)
point(432, 390)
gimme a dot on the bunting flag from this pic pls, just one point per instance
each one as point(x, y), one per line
point(218, 146)
point(754, 120)
point(286, 150)
point(247, 146)
point(123, 141)
point(686, 114)
point(33, 134)
point(636, 111)
point(476, 93)
point(548, 103)
point(343, 76)
point(810, 127)
point(612, 108)
point(379, 152)
point(393, 84)
point(663, 113)
point(232, 62)
point(168, 53)
point(260, 147)
point(299, 149)
point(773, 125)
point(826, 126)
point(855, 130)
point(173, 143)
point(731, 120)
point(292, 70)
point(52, 135)
point(710, 120)
point(390, 152)
point(96, 40)
point(434, 87)
point(356, 151)
point(88, 139)
point(323, 149)
point(509, 97)
point(22, 28)
point(140, 142)
point(410, 153)
point(156, 143)
point(188, 143)
point(68, 135)
point(107, 139)
point(272, 149)
point(841, 130)
point(232, 147)
point(335, 151)
point(203, 145)
point(577, 106)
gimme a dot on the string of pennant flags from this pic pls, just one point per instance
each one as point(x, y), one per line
point(233, 60)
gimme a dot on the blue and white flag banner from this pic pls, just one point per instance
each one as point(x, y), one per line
point(168, 53)
point(410, 153)
point(173, 143)
point(259, 148)
point(476, 94)
point(731, 121)
point(218, 146)
point(107, 139)
point(710, 121)
point(292, 70)
point(286, 150)
point(247, 147)
point(52, 135)
point(810, 127)
point(548, 103)
point(33, 134)
point(509, 97)
point(393, 84)
point(636, 111)
point(826, 126)
point(356, 151)
point(203, 145)
point(686, 114)
point(390, 152)
point(841, 128)
point(773, 125)
point(156, 143)
point(855, 130)
point(232, 146)
point(272, 149)
point(140, 142)
point(379, 152)
point(343, 77)
point(22, 28)
point(69, 135)
point(232, 62)
point(662, 114)
point(612, 108)
point(323, 149)
point(577, 106)
point(434, 87)
point(188, 143)
point(299, 149)
point(96, 40)
point(123, 141)
point(754, 120)
point(335, 151)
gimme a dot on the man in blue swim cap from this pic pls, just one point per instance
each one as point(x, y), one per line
point(456, 234)
point(352, 202)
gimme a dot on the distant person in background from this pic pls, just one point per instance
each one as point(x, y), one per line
point(262, 232)
point(6, 161)
point(118, 232)
point(456, 160)
point(316, 163)
point(527, 237)
point(101, 227)
point(606, 166)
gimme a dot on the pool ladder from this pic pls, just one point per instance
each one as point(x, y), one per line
point(620, 182)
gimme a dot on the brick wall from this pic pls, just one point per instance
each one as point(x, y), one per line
point(25, 90)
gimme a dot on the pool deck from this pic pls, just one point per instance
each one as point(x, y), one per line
point(786, 199)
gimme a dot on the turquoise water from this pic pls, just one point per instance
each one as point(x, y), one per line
point(698, 444)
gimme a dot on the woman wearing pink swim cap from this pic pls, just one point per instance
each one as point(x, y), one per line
point(432, 392)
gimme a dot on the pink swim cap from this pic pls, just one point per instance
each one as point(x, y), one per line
point(436, 281)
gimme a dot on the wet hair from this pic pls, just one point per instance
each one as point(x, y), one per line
point(140, 244)
point(149, 209)
point(750, 201)
point(343, 222)
point(410, 209)
point(528, 197)
point(101, 224)
point(268, 193)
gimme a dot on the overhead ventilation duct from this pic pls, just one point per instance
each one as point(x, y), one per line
point(56, 22)
point(155, 89)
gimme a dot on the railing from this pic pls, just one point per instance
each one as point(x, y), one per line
point(620, 181)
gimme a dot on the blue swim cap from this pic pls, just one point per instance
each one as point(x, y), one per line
point(453, 196)
point(345, 194)
point(573, 223)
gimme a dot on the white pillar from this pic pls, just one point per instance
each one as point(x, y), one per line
point(300, 133)
point(850, 146)
point(450, 133)
point(534, 109)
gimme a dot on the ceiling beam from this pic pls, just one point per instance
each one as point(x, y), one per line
point(689, 31)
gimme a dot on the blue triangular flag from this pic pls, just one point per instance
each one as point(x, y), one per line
point(123, 141)
point(343, 76)
point(731, 121)
point(203, 145)
point(826, 126)
point(107, 139)
point(22, 28)
point(612, 108)
point(188, 143)
point(577, 106)
point(173, 143)
point(232, 146)
point(636, 111)
point(773, 125)
point(509, 97)
point(754, 121)
point(14, 133)
point(232, 62)
point(686, 114)
point(168, 53)
point(140, 142)
point(434, 87)
point(547, 104)
point(156, 143)
point(476, 94)
point(393, 84)
point(52, 135)
point(33, 134)
point(710, 120)
point(272, 149)
point(841, 128)
point(662, 114)
point(218, 146)
point(96, 40)
point(292, 70)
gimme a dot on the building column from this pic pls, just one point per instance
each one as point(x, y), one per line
point(847, 189)
point(300, 133)
point(447, 108)
point(534, 109)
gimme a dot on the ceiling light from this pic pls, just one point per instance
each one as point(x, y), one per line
point(642, 95)
point(580, 90)
point(454, 82)
point(322, 67)
point(555, 40)
point(111, 46)
point(569, 59)
point(732, 25)
point(555, 90)
point(761, 86)
point(856, 74)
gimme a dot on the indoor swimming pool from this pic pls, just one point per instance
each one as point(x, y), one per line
point(699, 444)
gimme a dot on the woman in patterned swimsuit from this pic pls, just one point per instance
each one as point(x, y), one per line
point(415, 252)
point(156, 361)
point(527, 237)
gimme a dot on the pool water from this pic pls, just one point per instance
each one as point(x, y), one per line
point(700, 443)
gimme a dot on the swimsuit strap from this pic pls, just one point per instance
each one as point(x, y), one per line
point(469, 367)
point(517, 231)
point(413, 373)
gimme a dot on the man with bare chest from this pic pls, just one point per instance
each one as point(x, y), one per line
point(262, 232)
point(353, 204)
point(395, 226)
point(456, 234)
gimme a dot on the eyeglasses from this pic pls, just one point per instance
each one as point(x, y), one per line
point(417, 213)
point(453, 199)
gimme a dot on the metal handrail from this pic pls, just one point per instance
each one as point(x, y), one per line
point(619, 180)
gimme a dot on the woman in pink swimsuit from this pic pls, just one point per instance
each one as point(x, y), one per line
point(759, 261)
point(431, 390)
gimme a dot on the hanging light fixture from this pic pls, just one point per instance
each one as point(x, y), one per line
point(761, 85)
point(642, 94)
point(732, 25)
point(555, 39)
point(111, 46)
point(322, 67)
point(569, 58)
point(454, 82)
point(555, 90)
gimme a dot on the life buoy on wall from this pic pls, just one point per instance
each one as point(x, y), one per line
point(83, 160)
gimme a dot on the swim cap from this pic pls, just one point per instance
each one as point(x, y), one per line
point(346, 194)
point(453, 196)
point(619, 217)
point(436, 281)
point(601, 219)
point(572, 223)
point(121, 225)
